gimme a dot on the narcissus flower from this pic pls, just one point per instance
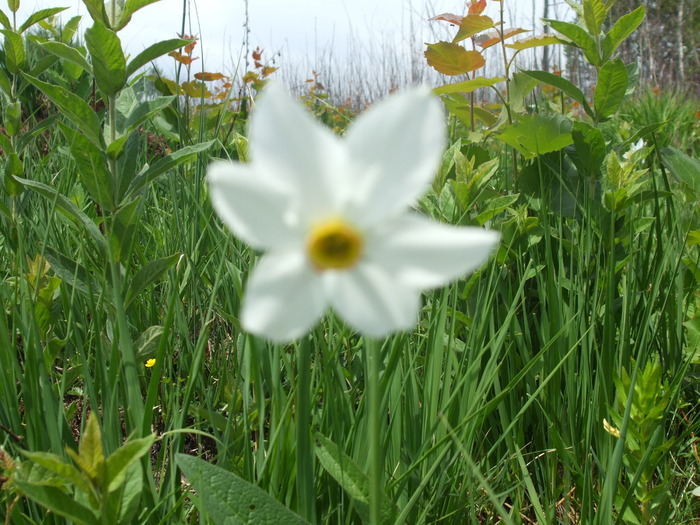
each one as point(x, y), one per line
point(334, 220)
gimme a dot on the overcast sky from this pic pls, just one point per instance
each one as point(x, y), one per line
point(296, 28)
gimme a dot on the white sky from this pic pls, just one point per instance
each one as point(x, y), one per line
point(299, 29)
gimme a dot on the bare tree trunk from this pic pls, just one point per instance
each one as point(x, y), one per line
point(679, 41)
point(545, 49)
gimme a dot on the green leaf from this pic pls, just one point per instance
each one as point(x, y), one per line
point(73, 107)
point(167, 163)
point(146, 345)
point(537, 134)
point(623, 28)
point(69, 29)
point(352, 478)
point(130, 495)
point(93, 167)
point(594, 13)
point(610, 90)
point(40, 15)
point(73, 273)
point(53, 463)
point(588, 152)
point(567, 87)
point(15, 55)
point(452, 59)
point(230, 500)
point(5, 21)
point(152, 52)
point(496, 206)
point(108, 62)
point(579, 37)
point(468, 86)
point(5, 84)
point(96, 8)
point(130, 8)
point(124, 225)
point(122, 458)
point(90, 455)
point(471, 25)
point(68, 53)
point(684, 168)
point(148, 275)
point(69, 209)
point(58, 502)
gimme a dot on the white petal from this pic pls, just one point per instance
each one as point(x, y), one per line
point(284, 297)
point(370, 300)
point(395, 149)
point(287, 139)
point(253, 206)
point(423, 253)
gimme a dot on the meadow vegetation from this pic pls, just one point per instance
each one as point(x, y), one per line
point(557, 384)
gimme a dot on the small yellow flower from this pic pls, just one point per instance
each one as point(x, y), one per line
point(150, 363)
point(610, 429)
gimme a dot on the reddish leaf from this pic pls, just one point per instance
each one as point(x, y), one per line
point(452, 59)
point(181, 58)
point(477, 7)
point(493, 37)
point(267, 71)
point(257, 54)
point(448, 17)
point(208, 77)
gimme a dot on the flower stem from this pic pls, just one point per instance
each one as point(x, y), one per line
point(374, 398)
point(306, 494)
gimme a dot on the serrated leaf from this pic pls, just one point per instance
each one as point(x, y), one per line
point(66, 52)
point(537, 134)
point(40, 15)
point(471, 25)
point(567, 87)
point(149, 274)
point(15, 54)
point(230, 500)
point(73, 107)
point(623, 28)
point(452, 59)
point(579, 37)
point(108, 61)
point(58, 502)
point(167, 163)
point(610, 90)
point(536, 41)
point(93, 167)
point(468, 86)
point(152, 52)
point(118, 463)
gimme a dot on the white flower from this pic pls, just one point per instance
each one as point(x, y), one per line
point(333, 216)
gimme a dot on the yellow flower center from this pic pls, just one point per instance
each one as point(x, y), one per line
point(334, 245)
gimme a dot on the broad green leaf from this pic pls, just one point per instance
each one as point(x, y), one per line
point(123, 227)
point(579, 37)
point(684, 168)
point(90, 455)
point(38, 16)
point(122, 458)
point(452, 59)
point(567, 87)
point(588, 152)
point(468, 86)
point(93, 167)
point(352, 478)
point(66, 52)
point(496, 206)
point(14, 169)
point(69, 29)
point(68, 208)
point(5, 84)
point(130, 496)
point(108, 62)
point(13, 118)
point(130, 8)
point(146, 110)
point(57, 465)
point(537, 134)
point(96, 8)
point(42, 65)
point(4, 21)
point(152, 52)
point(73, 107)
point(167, 163)
point(230, 500)
point(610, 90)
point(73, 273)
point(15, 55)
point(594, 13)
point(146, 345)
point(536, 41)
point(58, 502)
point(623, 28)
point(149, 274)
point(471, 25)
